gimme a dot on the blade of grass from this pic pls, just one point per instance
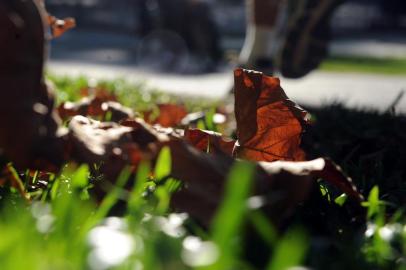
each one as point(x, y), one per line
point(230, 217)
point(290, 252)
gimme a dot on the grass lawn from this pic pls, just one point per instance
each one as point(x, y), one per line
point(64, 227)
point(386, 66)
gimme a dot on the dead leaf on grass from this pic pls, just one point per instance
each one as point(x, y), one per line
point(269, 124)
point(319, 168)
point(209, 141)
point(169, 115)
point(96, 107)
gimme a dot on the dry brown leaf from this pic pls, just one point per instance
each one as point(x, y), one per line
point(319, 168)
point(205, 174)
point(209, 141)
point(98, 92)
point(113, 145)
point(60, 26)
point(269, 124)
point(94, 141)
point(96, 107)
point(169, 115)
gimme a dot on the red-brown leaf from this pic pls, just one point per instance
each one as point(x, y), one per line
point(98, 92)
point(169, 115)
point(208, 140)
point(95, 106)
point(319, 168)
point(60, 26)
point(269, 124)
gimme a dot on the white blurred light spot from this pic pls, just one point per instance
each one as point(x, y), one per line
point(197, 253)
point(172, 226)
point(256, 202)
point(92, 82)
point(138, 266)
point(42, 213)
point(44, 223)
point(40, 108)
point(111, 247)
point(39, 209)
point(386, 233)
point(115, 223)
point(147, 217)
point(219, 118)
point(371, 228)
point(68, 105)
point(105, 106)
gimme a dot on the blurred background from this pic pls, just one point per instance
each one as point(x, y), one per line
point(191, 49)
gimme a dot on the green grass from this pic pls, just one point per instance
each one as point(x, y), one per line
point(65, 227)
point(133, 95)
point(386, 66)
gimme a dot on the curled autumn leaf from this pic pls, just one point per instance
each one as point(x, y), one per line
point(209, 141)
point(278, 187)
point(94, 141)
point(269, 124)
point(319, 168)
point(60, 26)
point(97, 107)
point(168, 115)
point(113, 145)
point(205, 176)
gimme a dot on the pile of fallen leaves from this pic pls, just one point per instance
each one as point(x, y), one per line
point(101, 131)
point(269, 129)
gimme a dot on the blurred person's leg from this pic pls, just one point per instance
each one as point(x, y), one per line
point(291, 35)
point(203, 35)
point(265, 19)
point(144, 19)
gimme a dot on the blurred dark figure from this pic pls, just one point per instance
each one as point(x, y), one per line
point(192, 22)
point(290, 36)
point(394, 10)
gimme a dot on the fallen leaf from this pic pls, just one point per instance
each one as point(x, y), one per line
point(319, 168)
point(269, 124)
point(93, 141)
point(113, 145)
point(98, 92)
point(96, 107)
point(169, 115)
point(60, 26)
point(209, 141)
point(204, 176)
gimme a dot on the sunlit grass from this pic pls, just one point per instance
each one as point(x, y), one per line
point(386, 66)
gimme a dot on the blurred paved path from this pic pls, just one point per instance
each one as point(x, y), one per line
point(110, 55)
point(353, 90)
